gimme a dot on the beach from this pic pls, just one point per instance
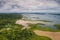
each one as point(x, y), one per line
point(52, 35)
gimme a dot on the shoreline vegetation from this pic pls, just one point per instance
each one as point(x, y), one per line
point(14, 27)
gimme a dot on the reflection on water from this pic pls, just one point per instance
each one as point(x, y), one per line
point(54, 18)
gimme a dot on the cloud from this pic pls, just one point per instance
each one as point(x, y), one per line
point(29, 6)
point(58, 1)
point(2, 3)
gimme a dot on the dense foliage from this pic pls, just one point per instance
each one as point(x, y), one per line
point(9, 19)
point(14, 32)
point(17, 34)
point(10, 16)
point(58, 27)
point(11, 31)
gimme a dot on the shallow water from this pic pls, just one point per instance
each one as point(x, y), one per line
point(54, 18)
point(48, 26)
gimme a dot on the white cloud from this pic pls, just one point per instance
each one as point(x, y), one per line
point(30, 6)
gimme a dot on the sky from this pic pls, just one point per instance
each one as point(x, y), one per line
point(18, 6)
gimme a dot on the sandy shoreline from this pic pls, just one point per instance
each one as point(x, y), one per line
point(52, 35)
point(25, 23)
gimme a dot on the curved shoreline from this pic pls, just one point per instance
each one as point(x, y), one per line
point(52, 35)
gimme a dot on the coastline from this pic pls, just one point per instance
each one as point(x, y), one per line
point(52, 35)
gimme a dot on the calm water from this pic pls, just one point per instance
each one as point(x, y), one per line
point(53, 18)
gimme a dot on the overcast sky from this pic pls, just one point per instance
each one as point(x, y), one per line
point(29, 6)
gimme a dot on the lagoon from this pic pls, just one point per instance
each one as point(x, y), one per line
point(47, 17)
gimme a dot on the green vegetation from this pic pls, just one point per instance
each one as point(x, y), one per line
point(39, 27)
point(45, 21)
point(57, 26)
point(11, 16)
point(41, 38)
point(34, 26)
point(8, 19)
point(11, 31)
point(19, 34)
